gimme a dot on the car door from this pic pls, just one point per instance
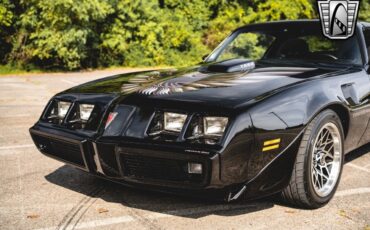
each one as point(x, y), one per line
point(366, 136)
point(367, 40)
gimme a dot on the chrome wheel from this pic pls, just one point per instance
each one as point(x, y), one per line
point(326, 159)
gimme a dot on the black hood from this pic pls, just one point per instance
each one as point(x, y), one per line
point(200, 86)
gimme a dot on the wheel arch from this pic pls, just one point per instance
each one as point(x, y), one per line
point(342, 113)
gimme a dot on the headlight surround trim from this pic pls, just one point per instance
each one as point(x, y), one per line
point(214, 126)
point(198, 133)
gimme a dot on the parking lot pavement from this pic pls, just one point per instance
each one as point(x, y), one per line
point(40, 193)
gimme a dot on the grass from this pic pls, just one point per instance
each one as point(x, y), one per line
point(9, 70)
point(13, 70)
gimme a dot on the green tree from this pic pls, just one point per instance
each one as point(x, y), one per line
point(7, 19)
point(148, 33)
point(59, 32)
point(232, 14)
point(272, 10)
point(73, 34)
point(364, 11)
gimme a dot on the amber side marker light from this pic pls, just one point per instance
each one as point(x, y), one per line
point(271, 145)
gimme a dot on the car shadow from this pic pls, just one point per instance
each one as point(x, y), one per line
point(190, 207)
point(357, 153)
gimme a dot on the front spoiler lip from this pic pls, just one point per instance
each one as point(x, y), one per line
point(206, 192)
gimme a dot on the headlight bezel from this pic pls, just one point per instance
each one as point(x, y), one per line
point(78, 121)
point(157, 125)
point(77, 115)
point(53, 114)
point(221, 120)
point(192, 129)
point(196, 130)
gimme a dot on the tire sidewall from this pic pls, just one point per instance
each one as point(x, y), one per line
point(322, 119)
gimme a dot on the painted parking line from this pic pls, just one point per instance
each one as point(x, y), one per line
point(152, 216)
point(16, 116)
point(342, 193)
point(182, 212)
point(358, 167)
point(354, 191)
point(69, 82)
point(16, 147)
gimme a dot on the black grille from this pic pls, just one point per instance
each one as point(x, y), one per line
point(141, 167)
point(63, 150)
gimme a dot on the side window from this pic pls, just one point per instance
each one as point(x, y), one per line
point(367, 39)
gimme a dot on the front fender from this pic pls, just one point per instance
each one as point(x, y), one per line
point(284, 115)
point(288, 112)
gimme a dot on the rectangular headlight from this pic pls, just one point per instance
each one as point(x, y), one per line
point(85, 111)
point(63, 108)
point(174, 121)
point(215, 126)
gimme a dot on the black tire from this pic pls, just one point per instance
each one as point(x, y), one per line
point(300, 192)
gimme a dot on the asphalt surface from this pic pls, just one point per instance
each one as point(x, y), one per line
point(40, 193)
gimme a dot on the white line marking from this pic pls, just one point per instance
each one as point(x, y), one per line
point(16, 115)
point(183, 212)
point(354, 191)
point(69, 82)
point(152, 216)
point(358, 167)
point(16, 147)
point(20, 187)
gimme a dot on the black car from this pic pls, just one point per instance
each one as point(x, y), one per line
point(273, 109)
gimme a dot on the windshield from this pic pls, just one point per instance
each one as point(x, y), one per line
point(287, 45)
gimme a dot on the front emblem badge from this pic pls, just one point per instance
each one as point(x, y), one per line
point(338, 18)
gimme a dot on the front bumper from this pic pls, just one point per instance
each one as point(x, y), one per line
point(134, 164)
point(163, 168)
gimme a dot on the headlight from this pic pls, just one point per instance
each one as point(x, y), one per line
point(206, 130)
point(85, 111)
point(214, 126)
point(63, 108)
point(174, 121)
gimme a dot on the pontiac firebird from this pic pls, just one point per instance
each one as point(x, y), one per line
point(272, 110)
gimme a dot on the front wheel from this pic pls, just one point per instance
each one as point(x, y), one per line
point(319, 163)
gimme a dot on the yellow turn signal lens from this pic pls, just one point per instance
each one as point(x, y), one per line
point(271, 144)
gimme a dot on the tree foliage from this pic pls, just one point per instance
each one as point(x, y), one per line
point(364, 11)
point(74, 34)
point(7, 19)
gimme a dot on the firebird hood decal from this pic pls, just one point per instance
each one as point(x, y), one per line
point(147, 83)
point(194, 85)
